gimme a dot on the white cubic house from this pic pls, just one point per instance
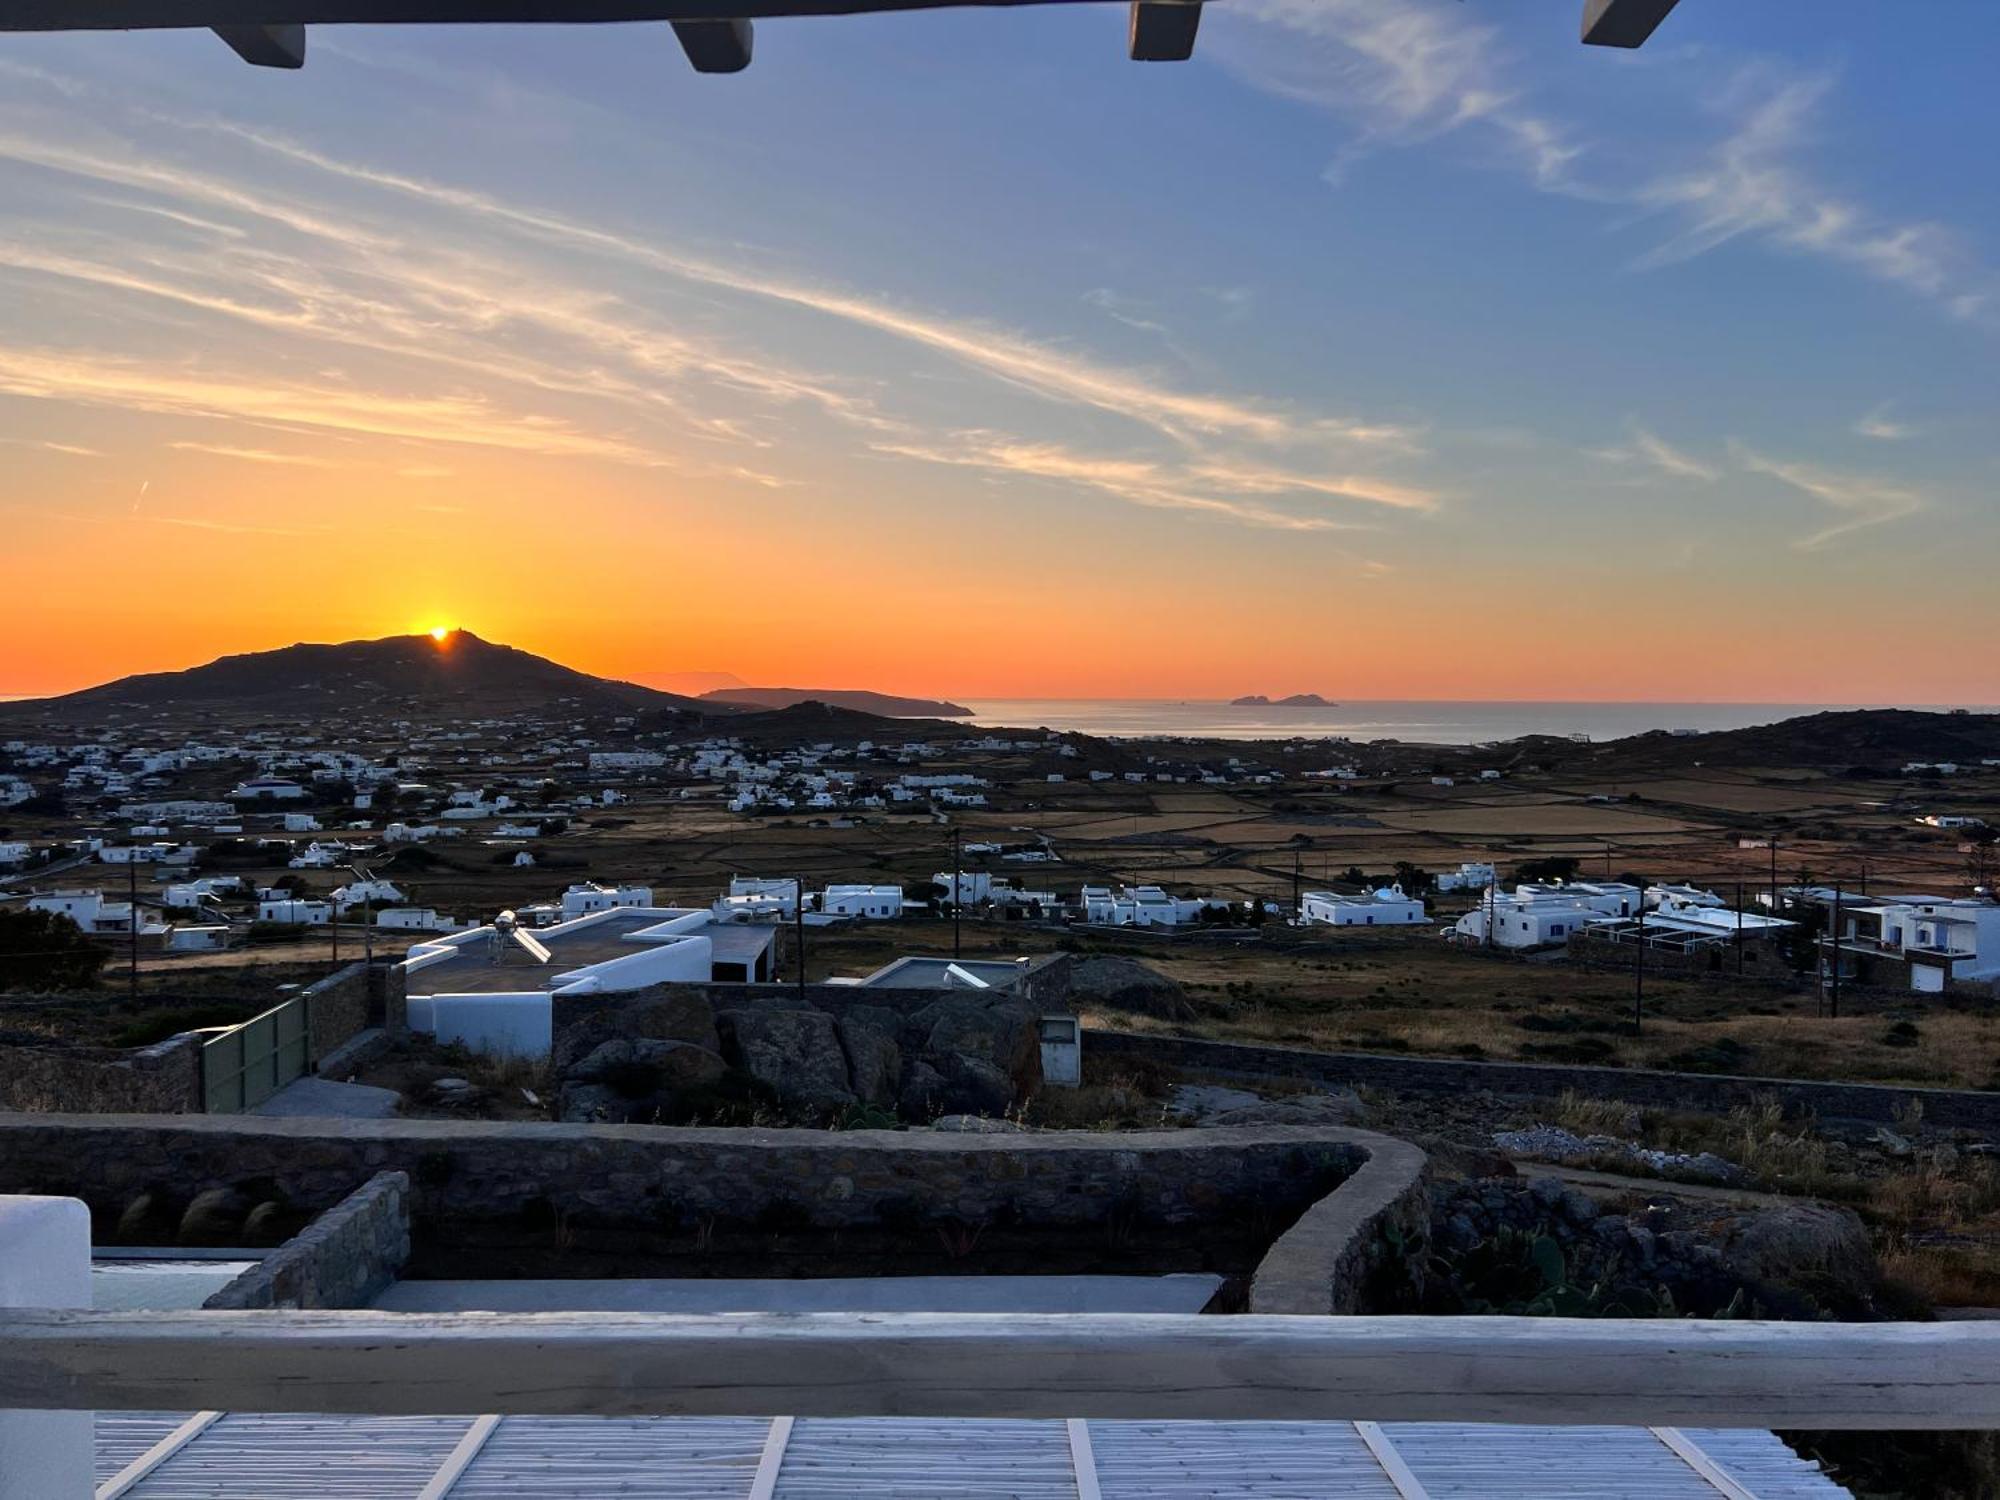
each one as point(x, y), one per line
point(1387, 907)
point(874, 902)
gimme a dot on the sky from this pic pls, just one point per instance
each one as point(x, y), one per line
point(1388, 349)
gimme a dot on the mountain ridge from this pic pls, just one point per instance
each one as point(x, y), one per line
point(861, 700)
point(457, 671)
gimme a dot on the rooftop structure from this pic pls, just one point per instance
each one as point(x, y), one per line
point(614, 949)
point(919, 973)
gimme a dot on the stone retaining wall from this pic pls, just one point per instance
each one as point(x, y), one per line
point(164, 1078)
point(1376, 1224)
point(342, 1259)
point(1705, 1092)
point(344, 1004)
point(465, 1173)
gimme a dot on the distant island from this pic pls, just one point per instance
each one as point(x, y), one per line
point(1297, 700)
point(885, 705)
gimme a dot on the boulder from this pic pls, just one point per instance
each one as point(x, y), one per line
point(923, 1093)
point(795, 1052)
point(215, 1217)
point(981, 1034)
point(641, 1066)
point(592, 1104)
point(974, 1086)
point(1339, 1107)
point(266, 1224)
point(874, 1060)
point(666, 1013)
point(1803, 1245)
point(148, 1219)
point(1126, 984)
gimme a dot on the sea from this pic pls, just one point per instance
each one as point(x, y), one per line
point(1430, 722)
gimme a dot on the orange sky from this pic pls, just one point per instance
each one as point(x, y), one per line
point(641, 582)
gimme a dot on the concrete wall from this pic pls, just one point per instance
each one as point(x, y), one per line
point(164, 1078)
point(342, 1259)
point(467, 1172)
point(502, 1025)
point(1708, 1093)
point(44, 1263)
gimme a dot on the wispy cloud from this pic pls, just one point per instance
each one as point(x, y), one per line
point(232, 528)
point(1860, 500)
point(250, 455)
point(1015, 358)
point(1664, 456)
point(1134, 481)
point(74, 450)
point(469, 292)
point(1881, 426)
point(1422, 70)
point(135, 385)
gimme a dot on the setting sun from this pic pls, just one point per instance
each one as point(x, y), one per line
point(440, 633)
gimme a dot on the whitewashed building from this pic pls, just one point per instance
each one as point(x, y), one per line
point(1387, 907)
point(1929, 941)
point(973, 886)
point(294, 910)
point(582, 899)
point(1472, 875)
point(1137, 906)
point(875, 903)
point(779, 893)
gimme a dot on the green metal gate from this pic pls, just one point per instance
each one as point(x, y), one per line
point(249, 1063)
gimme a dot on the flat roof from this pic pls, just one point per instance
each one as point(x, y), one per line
point(473, 969)
point(931, 973)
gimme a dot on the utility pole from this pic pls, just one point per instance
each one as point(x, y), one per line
point(1834, 1005)
point(1639, 975)
point(132, 918)
point(799, 928)
point(1774, 876)
point(333, 922)
point(1739, 926)
point(1492, 887)
point(1298, 911)
point(957, 888)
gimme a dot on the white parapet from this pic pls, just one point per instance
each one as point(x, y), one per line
point(45, 1263)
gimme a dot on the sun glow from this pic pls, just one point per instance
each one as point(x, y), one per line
point(441, 633)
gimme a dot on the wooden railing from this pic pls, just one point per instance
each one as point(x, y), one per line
point(1108, 1366)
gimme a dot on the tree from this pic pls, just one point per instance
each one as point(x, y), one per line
point(44, 950)
point(1354, 875)
point(1414, 879)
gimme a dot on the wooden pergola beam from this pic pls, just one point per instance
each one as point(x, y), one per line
point(1622, 23)
point(1110, 1366)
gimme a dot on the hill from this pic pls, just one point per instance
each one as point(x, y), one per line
point(883, 705)
point(459, 674)
point(811, 720)
point(1882, 739)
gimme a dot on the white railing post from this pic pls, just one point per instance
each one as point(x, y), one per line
point(45, 1263)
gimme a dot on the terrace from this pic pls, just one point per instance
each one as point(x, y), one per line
point(1034, 1388)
